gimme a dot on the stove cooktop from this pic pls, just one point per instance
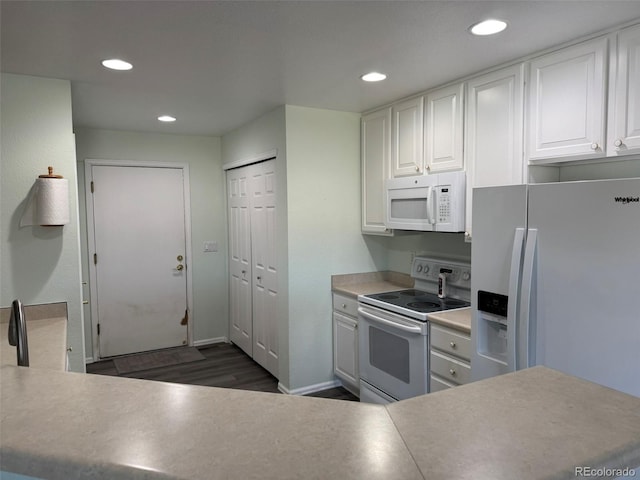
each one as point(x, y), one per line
point(418, 301)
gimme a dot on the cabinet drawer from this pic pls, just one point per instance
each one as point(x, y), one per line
point(449, 368)
point(344, 304)
point(451, 341)
point(437, 384)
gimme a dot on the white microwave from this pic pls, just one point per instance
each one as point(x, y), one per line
point(429, 203)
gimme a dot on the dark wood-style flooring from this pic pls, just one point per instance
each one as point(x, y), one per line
point(225, 365)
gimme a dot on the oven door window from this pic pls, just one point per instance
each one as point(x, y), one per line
point(390, 353)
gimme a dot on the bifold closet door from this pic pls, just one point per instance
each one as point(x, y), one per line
point(251, 193)
point(264, 262)
point(241, 323)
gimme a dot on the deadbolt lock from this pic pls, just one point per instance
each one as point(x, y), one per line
point(180, 258)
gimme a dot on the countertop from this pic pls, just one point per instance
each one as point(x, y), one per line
point(532, 424)
point(459, 319)
point(46, 335)
point(356, 284)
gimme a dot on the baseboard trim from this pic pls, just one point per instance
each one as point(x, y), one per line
point(318, 387)
point(210, 341)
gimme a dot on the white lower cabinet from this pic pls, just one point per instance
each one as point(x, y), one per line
point(345, 342)
point(449, 358)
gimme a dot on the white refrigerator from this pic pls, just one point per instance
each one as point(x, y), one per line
point(556, 280)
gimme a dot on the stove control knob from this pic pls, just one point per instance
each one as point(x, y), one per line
point(419, 268)
point(466, 276)
point(425, 269)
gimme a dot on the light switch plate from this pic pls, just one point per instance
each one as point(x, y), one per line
point(210, 246)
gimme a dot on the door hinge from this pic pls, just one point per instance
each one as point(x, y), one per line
point(92, 189)
point(98, 329)
point(95, 258)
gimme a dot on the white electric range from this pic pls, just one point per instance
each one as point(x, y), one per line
point(393, 329)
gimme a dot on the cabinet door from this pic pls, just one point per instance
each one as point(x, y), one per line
point(376, 158)
point(443, 139)
point(494, 131)
point(407, 138)
point(345, 348)
point(567, 103)
point(625, 98)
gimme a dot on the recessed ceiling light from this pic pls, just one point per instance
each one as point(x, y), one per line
point(166, 118)
point(116, 64)
point(488, 27)
point(373, 77)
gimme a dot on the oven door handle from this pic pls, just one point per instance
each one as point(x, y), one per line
point(389, 323)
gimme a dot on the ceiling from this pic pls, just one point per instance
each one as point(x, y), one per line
point(216, 65)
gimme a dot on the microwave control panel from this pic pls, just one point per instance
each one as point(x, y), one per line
point(443, 204)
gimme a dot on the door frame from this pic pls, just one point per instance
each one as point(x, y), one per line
point(93, 292)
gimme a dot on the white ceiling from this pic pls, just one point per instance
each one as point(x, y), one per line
point(218, 64)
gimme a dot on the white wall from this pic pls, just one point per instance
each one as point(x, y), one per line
point(39, 264)
point(405, 245)
point(250, 141)
point(323, 195)
point(209, 311)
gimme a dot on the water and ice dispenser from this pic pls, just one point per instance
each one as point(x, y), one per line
point(492, 326)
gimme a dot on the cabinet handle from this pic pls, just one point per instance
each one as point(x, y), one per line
point(618, 143)
point(428, 168)
point(594, 146)
point(259, 278)
point(452, 372)
point(418, 168)
point(453, 344)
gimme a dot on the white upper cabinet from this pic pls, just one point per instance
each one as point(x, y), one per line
point(567, 103)
point(494, 113)
point(407, 138)
point(376, 155)
point(624, 131)
point(444, 126)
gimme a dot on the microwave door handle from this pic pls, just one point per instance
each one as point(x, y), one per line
point(389, 323)
point(430, 205)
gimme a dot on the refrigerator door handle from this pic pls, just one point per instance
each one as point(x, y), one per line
point(525, 357)
point(514, 287)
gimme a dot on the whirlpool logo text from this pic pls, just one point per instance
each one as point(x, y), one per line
point(626, 200)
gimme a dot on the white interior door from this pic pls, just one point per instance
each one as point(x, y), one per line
point(265, 271)
point(140, 258)
point(241, 326)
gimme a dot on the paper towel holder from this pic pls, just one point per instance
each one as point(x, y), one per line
point(50, 174)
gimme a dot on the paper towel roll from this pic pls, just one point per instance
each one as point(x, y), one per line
point(52, 201)
point(49, 204)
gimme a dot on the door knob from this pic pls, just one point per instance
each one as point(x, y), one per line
point(179, 267)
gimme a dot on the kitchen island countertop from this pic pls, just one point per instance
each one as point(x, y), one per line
point(536, 423)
